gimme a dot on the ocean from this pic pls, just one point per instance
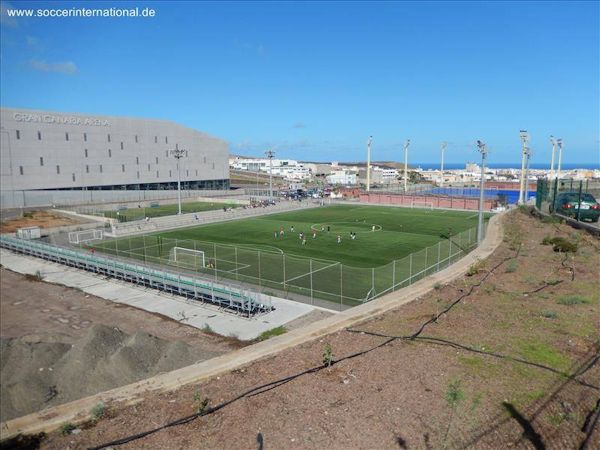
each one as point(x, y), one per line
point(535, 166)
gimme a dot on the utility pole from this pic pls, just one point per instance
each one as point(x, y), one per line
point(526, 191)
point(178, 154)
point(524, 139)
point(369, 163)
point(560, 148)
point(406, 145)
point(444, 145)
point(483, 150)
point(553, 143)
point(270, 154)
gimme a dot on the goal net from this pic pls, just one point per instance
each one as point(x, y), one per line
point(186, 257)
point(422, 205)
point(79, 237)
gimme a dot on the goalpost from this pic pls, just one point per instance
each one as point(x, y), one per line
point(187, 257)
point(81, 237)
point(422, 205)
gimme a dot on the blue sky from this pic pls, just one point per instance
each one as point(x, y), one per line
point(313, 80)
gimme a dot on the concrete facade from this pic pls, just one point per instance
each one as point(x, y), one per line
point(52, 150)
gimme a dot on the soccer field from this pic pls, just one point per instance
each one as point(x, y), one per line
point(127, 215)
point(393, 247)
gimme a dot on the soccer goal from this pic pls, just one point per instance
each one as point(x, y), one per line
point(187, 257)
point(422, 205)
point(81, 237)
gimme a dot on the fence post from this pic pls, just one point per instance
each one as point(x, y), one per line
point(311, 282)
point(579, 201)
point(449, 251)
point(426, 260)
point(259, 276)
point(469, 238)
point(215, 258)
point(394, 276)
point(236, 264)
point(283, 254)
point(439, 255)
point(410, 269)
point(372, 280)
point(341, 285)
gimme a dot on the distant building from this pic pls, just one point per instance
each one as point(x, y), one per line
point(343, 177)
point(286, 168)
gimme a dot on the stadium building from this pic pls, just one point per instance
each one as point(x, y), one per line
point(43, 150)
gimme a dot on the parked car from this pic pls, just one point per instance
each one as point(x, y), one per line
point(567, 204)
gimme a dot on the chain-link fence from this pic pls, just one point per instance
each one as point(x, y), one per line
point(576, 199)
point(316, 281)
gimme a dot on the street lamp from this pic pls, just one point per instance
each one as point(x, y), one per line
point(178, 154)
point(524, 139)
point(553, 143)
point(369, 163)
point(560, 149)
point(483, 150)
point(406, 145)
point(526, 190)
point(444, 145)
point(270, 154)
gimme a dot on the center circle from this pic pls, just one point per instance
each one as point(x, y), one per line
point(346, 227)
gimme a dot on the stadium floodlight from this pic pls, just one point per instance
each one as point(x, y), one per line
point(406, 145)
point(178, 153)
point(524, 139)
point(553, 144)
point(526, 190)
point(444, 145)
point(560, 149)
point(369, 163)
point(270, 154)
point(483, 150)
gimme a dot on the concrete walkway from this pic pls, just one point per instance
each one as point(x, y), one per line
point(193, 313)
point(78, 410)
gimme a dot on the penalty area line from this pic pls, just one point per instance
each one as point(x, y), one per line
point(309, 273)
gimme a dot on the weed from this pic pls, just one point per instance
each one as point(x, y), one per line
point(549, 314)
point(454, 394)
point(476, 402)
point(278, 331)
point(208, 329)
point(572, 300)
point(201, 403)
point(37, 276)
point(98, 411)
point(541, 353)
point(327, 355)
point(28, 215)
point(437, 286)
point(475, 268)
point(512, 266)
point(560, 244)
point(67, 428)
point(552, 282)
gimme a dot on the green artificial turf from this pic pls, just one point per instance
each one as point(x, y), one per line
point(127, 215)
point(248, 250)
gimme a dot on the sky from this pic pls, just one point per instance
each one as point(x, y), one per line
point(313, 80)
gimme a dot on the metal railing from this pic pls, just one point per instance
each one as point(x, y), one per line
point(232, 298)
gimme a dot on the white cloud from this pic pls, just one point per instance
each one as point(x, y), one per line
point(67, 67)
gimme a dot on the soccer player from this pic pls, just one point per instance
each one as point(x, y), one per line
point(276, 234)
point(339, 239)
point(292, 229)
point(303, 241)
point(281, 232)
point(373, 229)
point(314, 234)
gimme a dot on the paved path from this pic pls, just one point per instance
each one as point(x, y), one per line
point(78, 410)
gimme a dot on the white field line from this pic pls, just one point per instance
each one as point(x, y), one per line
point(308, 273)
point(243, 266)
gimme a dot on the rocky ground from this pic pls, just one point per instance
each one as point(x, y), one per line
point(506, 356)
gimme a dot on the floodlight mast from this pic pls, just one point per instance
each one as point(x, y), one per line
point(444, 145)
point(560, 149)
point(483, 150)
point(270, 154)
point(524, 139)
point(553, 143)
point(526, 190)
point(406, 145)
point(178, 153)
point(369, 163)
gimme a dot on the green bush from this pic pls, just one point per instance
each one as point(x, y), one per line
point(98, 411)
point(67, 428)
point(512, 266)
point(572, 300)
point(560, 244)
point(549, 314)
